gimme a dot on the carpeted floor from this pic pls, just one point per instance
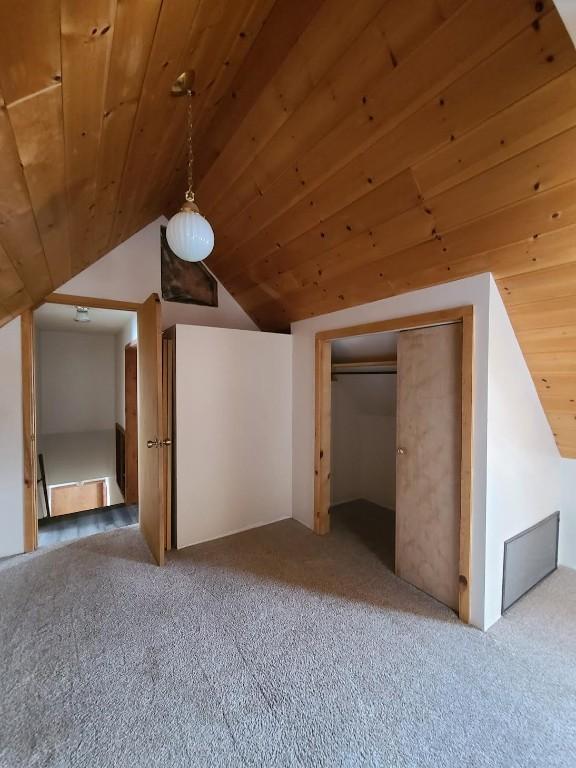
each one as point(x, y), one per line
point(272, 648)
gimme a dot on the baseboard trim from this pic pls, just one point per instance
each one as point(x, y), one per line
point(236, 531)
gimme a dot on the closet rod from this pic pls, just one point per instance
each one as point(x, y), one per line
point(389, 363)
point(364, 373)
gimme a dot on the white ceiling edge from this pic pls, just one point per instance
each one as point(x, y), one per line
point(372, 346)
point(60, 317)
point(567, 11)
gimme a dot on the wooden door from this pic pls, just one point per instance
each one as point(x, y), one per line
point(151, 499)
point(429, 418)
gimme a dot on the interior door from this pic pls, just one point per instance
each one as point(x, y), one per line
point(429, 435)
point(151, 496)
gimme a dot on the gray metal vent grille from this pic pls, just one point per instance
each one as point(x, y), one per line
point(529, 557)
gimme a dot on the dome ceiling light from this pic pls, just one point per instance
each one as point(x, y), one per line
point(82, 315)
point(189, 234)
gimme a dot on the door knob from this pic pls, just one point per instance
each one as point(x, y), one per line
point(158, 443)
point(400, 451)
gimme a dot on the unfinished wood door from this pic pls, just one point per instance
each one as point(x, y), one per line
point(429, 434)
point(77, 497)
point(151, 498)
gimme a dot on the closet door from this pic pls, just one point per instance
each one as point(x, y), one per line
point(429, 433)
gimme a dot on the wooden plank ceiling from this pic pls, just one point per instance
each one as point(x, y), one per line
point(345, 152)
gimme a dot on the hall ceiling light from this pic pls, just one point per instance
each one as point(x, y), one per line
point(82, 315)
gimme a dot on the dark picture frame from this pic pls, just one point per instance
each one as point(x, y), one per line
point(185, 282)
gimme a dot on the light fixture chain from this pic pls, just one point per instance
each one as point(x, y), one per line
point(190, 192)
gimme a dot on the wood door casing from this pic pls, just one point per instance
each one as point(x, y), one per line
point(151, 496)
point(428, 472)
point(30, 466)
point(131, 423)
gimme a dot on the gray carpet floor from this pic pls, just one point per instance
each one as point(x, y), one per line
point(272, 648)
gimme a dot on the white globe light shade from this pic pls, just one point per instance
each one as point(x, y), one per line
point(190, 236)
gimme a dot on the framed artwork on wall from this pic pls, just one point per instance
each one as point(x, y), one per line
point(184, 281)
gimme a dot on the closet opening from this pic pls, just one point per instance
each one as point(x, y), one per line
point(363, 441)
point(393, 446)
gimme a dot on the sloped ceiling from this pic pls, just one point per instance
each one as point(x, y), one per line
point(346, 151)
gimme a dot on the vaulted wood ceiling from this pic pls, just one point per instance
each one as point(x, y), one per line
point(346, 151)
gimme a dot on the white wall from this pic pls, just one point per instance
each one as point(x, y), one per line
point(567, 11)
point(471, 291)
point(364, 439)
point(567, 544)
point(76, 382)
point(131, 272)
point(11, 442)
point(233, 431)
point(523, 463)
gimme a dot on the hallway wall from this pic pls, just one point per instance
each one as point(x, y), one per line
point(76, 377)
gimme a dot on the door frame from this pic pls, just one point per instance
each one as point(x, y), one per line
point(323, 424)
point(30, 471)
point(131, 422)
point(168, 399)
point(30, 458)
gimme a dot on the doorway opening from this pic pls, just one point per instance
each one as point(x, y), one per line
point(154, 391)
point(86, 420)
point(363, 441)
point(393, 445)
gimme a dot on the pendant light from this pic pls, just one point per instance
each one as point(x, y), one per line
point(189, 234)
